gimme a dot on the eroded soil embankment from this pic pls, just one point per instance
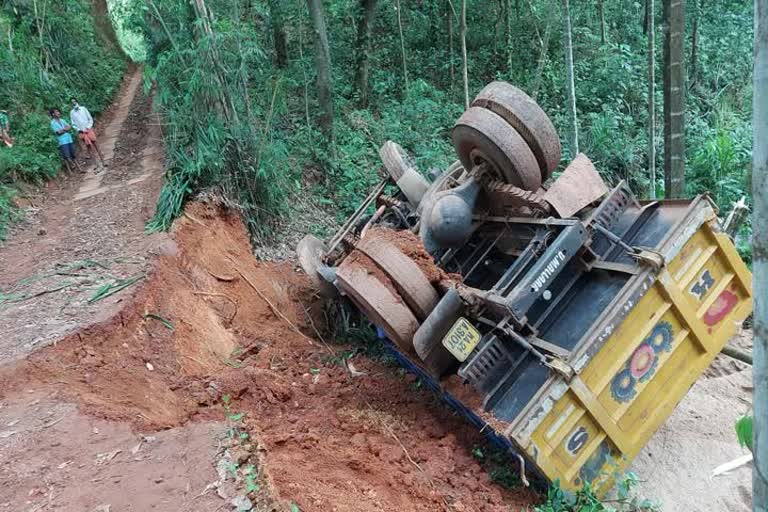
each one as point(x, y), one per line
point(203, 326)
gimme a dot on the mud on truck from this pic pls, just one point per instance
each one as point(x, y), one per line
point(564, 318)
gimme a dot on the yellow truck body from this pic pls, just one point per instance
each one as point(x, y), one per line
point(640, 358)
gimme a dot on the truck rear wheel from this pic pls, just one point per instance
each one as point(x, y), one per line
point(526, 116)
point(482, 136)
point(405, 274)
point(378, 302)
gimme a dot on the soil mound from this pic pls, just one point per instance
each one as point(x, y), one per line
point(212, 321)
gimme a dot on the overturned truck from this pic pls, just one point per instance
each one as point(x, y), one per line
point(563, 318)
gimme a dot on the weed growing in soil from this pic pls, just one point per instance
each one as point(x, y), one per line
point(585, 499)
point(239, 436)
point(496, 463)
point(348, 326)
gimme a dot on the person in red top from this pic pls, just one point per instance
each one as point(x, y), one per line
point(83, 122)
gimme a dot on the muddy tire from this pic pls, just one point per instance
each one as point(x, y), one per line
point(405, 274)
point(482, 136)
point(395, 159)
point(378, 303)
point(310, 251)
point(403, 172)
point(522, 113)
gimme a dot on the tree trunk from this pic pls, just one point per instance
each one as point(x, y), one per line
point(760, 258)
point(323, 67)
point(645, 18)
point(278, 33)
point(651, 9)
point(365, 19)
point(402, 45)
point(449, 30)
point(674, 98)
point(695, 43)
point(601, 15)
point(464, 66)
point(508, 34)
point(543, 52)
point(569, 79)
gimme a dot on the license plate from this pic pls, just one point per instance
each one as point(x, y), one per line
point(462, 339)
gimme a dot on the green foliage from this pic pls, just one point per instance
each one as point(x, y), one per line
point(220, 101)
point(744, 431)
point(419, 123)
point(131, 39)
point(43, 62)
point(7, 211)
point(261, 156)
point(585, 499)
point(497, 463)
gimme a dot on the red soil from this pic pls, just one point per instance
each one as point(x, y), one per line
point(328, 441)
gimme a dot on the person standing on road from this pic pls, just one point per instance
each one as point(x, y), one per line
point(66, 145)
point(5, 128)
point(83, 123)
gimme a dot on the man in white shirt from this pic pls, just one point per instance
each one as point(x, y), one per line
point(83, 122)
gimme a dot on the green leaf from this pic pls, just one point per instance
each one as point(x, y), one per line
point(744, 431)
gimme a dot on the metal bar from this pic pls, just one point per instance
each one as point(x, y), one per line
point(636, 226)
point(616, 239)
point(549, 347)
point(520, 264)
point(549, 221)
point(488, 250)
point(472, 254)
point(525, 344)
point(614, 266)
point(342, 232)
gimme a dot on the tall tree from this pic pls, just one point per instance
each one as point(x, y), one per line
point(651, 29)
point(508, 33)
point(364, 21)
point(695, 42)
point(601, 16)
point(402, 44)
point(449, 30)
point(278, 33)
point(674, 98)
point(464, 65)
point(569, 79)
point(323, 67)
point(543, 49)
point(760, 257)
